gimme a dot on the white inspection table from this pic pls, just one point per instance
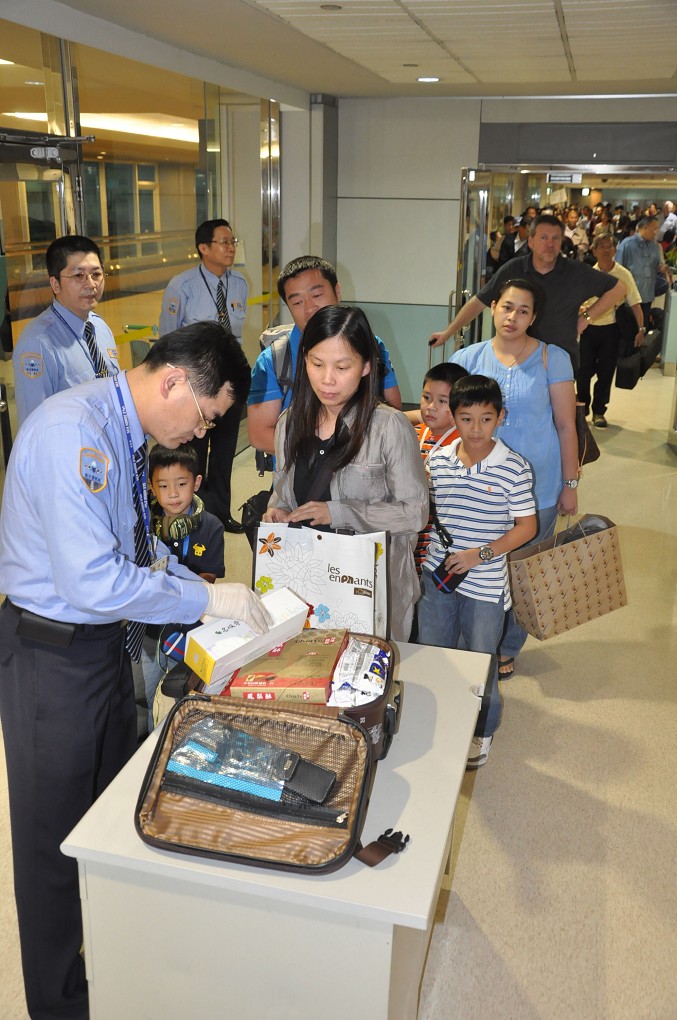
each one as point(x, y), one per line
point(175, 937)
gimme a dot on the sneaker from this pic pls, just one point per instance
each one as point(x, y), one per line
point(479, 752)
point(599, 421)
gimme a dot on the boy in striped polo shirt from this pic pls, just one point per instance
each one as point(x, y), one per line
point(483, 493)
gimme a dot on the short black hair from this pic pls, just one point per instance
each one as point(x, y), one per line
point(301, 265)
point(59, 252)
point(476, 389)
point(446, 371)
point(162, 457)
point(646, 220)
point(205, 232)
point(211, 356)
point(545, 219)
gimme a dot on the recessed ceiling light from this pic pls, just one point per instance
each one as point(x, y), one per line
point(331, 7)
point(426, 79)
point(34, 83)
point(6, 61)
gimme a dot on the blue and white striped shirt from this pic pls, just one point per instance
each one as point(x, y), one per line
point(477, 506)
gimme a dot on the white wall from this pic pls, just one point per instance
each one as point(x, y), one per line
point(398, 196)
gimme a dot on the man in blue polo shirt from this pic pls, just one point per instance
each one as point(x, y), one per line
point(306, 284)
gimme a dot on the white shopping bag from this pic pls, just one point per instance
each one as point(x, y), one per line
point(344, 578)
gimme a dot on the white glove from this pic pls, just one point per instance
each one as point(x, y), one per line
point(238, 602)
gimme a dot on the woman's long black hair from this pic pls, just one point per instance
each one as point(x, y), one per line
point(352, 325)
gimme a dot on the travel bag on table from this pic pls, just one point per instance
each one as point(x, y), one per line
point(273, 787)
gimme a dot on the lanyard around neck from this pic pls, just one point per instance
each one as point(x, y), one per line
point(206, 283)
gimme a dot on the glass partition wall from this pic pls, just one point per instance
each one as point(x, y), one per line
point(135, 157)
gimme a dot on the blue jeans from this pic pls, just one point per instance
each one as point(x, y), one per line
point(514, 636)
point(456, 621)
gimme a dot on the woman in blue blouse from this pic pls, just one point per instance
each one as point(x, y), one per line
point(537, 382)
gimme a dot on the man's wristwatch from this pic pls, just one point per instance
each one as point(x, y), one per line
point(571, 483)
point(486, 553)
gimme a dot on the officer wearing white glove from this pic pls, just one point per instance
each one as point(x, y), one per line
point(238, 602)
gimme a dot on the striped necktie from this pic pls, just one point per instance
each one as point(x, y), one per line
point(142, 557)
point(222, 308)
point(100, 366)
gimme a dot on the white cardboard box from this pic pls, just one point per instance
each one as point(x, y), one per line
point(219, 647)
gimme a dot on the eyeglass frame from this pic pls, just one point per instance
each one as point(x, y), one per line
point(206, 424)
point(225, 243)
point(81, 276)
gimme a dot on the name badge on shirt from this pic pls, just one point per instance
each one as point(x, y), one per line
point(160, 564)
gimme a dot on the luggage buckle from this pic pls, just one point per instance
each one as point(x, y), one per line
point(394, 842)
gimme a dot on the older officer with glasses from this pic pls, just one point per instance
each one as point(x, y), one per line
point(217, 292)
point(68, 343)
point(78, 559)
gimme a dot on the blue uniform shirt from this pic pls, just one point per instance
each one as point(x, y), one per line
point(49, 357)
point(191, 297)
point(67, 520)
point(265, 386)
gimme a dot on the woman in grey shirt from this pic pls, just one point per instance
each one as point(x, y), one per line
point(346, 460)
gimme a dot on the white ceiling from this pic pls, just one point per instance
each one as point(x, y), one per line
point(475, 47)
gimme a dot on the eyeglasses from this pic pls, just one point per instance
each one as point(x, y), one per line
point(205, 424)
point(234, 241)
point(81, 277)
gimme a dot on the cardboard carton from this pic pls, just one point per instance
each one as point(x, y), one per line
point(218, 647)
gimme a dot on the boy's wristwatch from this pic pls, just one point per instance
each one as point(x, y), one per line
point(486, 553)
point(571, 483)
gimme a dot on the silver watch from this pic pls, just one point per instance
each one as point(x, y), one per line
point(571, 483)
point(486, 553)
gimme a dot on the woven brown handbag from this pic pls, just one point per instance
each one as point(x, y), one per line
point(569, 579)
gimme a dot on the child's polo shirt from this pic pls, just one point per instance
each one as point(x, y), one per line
point(478, 505)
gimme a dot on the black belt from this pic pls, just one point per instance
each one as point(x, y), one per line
point(54, 632)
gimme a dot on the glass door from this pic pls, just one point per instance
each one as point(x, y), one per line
point(473, 244)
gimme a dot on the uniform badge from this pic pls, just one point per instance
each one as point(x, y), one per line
point(112, 353)
point(32, 365)
point(172, 307)
point(199, 549)
point(93, 469)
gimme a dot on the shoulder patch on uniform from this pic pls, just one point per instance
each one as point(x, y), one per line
point(32, 365)
point(93, 469)
point(112, 352)
point(172, 307)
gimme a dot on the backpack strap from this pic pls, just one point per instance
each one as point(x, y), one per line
point(281, 349)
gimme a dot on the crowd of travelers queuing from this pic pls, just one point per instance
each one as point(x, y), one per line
point(583, 223)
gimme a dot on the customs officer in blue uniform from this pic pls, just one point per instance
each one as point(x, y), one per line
point(215, 291)
point(77, 558)
point(68, 343)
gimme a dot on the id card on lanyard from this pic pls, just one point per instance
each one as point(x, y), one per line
point(141, 486)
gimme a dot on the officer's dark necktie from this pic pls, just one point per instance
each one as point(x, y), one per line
point(222, 308)
point(142, 557)
point(98, 361)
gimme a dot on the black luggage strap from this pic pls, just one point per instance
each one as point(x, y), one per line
point(387, 843)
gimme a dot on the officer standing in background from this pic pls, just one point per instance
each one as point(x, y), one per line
point(77, 559)
point(68, 343)
point(217, 292)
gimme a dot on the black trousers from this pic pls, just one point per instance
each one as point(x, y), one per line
point(599, 354)
point(216, 450)
point(69, 725)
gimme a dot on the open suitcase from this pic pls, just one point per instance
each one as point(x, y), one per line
point(264, 785)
